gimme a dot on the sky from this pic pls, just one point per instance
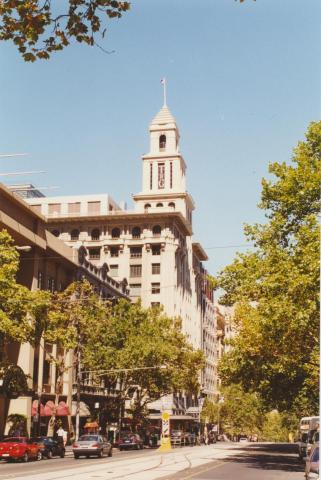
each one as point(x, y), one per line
point(243, 82)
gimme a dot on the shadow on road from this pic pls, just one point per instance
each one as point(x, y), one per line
point(282, 457)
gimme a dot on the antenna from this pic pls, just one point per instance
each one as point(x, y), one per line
point(3, 155)
point(9, 174)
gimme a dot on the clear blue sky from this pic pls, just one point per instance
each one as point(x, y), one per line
point(243, 84)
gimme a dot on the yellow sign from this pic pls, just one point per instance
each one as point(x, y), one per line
point(165, 440)
point(165, 416)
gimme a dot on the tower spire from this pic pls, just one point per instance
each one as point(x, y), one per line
point(163, 82)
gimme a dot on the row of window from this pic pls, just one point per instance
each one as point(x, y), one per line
point(134, 270)
point(93, 208)
point(147, 206)
point(135, 252)
point(115, 233)
point(136, 288)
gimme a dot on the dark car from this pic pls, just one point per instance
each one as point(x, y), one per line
point(131, 440)
point(49, 447)
point(92, 445)
point(312, 463)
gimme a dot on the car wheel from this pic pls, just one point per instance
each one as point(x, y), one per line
point(110, 453)
point(76, 456)
point(62, 455)
point(39, 456)
point(100, 454)
point(49, 454)
point(120, 449)
point(137, 447)
point(25, 457)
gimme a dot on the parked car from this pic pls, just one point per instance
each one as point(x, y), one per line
point(19, 448)
point(92, 445)
point(49, 447)
point(131, 440)
point(312, 463)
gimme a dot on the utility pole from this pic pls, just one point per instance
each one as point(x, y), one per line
point(78, 384)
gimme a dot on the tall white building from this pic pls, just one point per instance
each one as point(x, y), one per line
point(152, 246)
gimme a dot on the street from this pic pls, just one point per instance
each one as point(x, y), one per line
point(222, 461)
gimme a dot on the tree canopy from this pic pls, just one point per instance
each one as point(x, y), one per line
point(276, 288)
point(40, 27)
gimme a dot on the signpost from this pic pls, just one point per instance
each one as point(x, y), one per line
point(165, 439)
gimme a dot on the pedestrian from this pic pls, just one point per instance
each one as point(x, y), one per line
point(61, 434)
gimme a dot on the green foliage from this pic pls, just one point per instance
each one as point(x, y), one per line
point(40, 27)
point(276, 289)
point(18, 425)
point(21, 311)
point(273, 429)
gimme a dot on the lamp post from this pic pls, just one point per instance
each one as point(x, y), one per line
point(220, 401)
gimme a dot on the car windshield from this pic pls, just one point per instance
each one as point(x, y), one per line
point(13, 439)
point(89, 438)
point(315, 455)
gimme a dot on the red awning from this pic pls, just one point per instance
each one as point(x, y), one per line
point(34, 409)
point(62, 409)
point(49, 408)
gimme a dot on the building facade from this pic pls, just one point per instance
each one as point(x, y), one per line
point(152, 246)
point(45, 263)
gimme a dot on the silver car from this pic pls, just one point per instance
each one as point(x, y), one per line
point(312, 463)
point(92, 445)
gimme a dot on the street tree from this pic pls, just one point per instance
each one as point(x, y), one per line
point(236, 412)
point(40, 27)
point(22, 312)
point(149, 350)
point(275, 288)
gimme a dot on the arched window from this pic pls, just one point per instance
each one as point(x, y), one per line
point(157, 230)
point(159, 205)
point(136, 232)
point(55, 233)
point(115, 233)
point(95, 234)
point(74, 235)
point(147, 206)
point(172, 205)
point(162, 143)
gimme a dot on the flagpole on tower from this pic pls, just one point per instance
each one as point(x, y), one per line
point(163, 82)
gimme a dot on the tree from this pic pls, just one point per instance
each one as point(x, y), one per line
point(276, 289)
point(21, 311)
point(40, 27)
point(149, 349)
point(273, 429)
point(236, 413)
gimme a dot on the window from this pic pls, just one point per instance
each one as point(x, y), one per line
point(147, 206)
point(171, 175)
point(40, 282)
point(135, 271)
point(172, 205)
point(151, 176)
point(110, 207)
point(95, 234)
point(55, 233)
point(94, 253)
point(155, 288)
point(159, 205)
point(162, 143)
point(74, 235)
point(51, 284)
point(113, 270)
point(161, 175)
point(54, 208)
point(74, 208)
point(136, 232)
point(93, 208)
point(156, 250)
point(114, 252)
point(136, 252)
point(135, 289)
point(115, 233)
point(155, 268)
point(157, 230)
